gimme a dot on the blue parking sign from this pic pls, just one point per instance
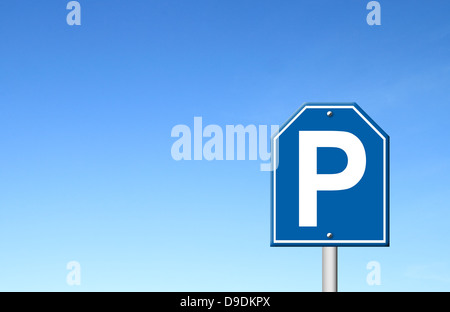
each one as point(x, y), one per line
point(330, 179)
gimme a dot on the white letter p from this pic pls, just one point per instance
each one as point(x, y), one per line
point(310, 182)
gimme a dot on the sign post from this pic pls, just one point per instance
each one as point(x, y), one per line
point(329, 269)
point(330, 182)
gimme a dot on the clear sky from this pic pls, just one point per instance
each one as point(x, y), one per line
point(86, 114)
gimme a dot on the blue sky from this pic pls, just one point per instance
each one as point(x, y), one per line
point(86, 114)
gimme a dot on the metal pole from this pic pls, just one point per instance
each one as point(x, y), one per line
point(329, 269)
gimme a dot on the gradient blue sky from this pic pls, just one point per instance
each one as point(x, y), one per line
point(86, 114)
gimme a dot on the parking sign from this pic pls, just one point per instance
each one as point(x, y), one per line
point(330, 183)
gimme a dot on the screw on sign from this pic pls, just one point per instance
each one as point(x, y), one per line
point(330, 183)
